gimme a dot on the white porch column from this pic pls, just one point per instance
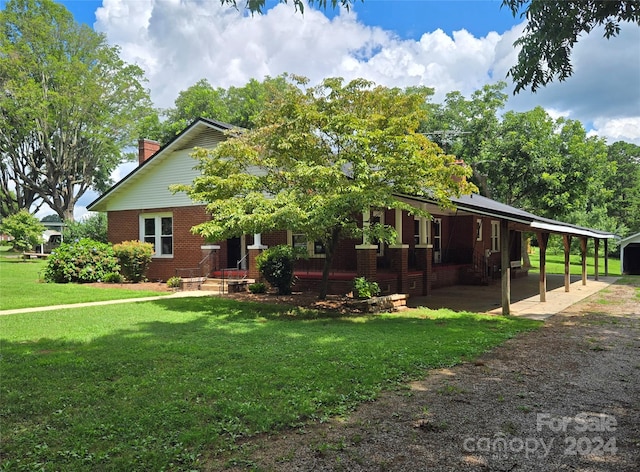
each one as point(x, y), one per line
point(398, 227)
point(257, 242)
point(424, 236)
point(366, 222)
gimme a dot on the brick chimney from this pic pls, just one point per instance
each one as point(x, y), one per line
point(146, 149)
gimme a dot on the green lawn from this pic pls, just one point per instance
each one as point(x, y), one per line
point(168, 384)
point(555, 264)
point(21, 287)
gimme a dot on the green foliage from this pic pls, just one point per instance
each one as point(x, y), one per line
point(69, 105)
point(545, 166)
point(318, 158)
point(82, 261)
point(25, 229)
point(239, 106)
point(93, 227)
point(276, 265)
point(552, 29)
point(177, 383)
point(258, 287)
point(174, 282)
point(134, 258)
point(113, 278)
point(624, 185)
point(362, 288)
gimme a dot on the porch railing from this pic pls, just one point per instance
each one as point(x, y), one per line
point(205, 267)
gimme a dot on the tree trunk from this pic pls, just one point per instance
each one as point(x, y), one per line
point(330, 246)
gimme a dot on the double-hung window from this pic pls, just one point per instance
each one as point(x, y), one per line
point(157, 229)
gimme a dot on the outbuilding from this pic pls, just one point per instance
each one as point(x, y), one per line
point(630, 255)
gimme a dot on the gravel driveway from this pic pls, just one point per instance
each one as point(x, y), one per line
point(565, 397)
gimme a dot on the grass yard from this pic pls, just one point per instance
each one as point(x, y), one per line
point(555, 264)
point(168, 384)
point(21, 287)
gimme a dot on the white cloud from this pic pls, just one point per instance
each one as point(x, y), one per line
point(178, 42)
point(618, 129)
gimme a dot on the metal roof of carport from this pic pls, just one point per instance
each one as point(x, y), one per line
point(479, 205)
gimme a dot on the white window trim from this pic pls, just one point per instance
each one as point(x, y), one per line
point(158, 242)
point(311, 249)
point(495, 236)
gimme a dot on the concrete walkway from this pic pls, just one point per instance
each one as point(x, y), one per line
point(525, 296)
point(197, 293)
point(557, 299)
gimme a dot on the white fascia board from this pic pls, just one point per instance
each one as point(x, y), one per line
point(569, 230)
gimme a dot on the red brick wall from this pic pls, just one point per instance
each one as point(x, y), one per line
point(125, 226)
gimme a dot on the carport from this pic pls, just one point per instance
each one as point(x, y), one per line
point(630, 255)
point(514, 219)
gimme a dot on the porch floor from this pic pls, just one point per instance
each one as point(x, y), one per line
point(525, 296)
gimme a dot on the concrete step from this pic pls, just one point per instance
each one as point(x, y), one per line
point(233, 285)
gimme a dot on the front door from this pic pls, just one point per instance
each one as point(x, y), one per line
point(234, 252)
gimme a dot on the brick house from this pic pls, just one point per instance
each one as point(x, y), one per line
point(477, 242)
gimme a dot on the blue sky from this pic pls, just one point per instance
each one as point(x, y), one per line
point(407, 18)
point(450, 45)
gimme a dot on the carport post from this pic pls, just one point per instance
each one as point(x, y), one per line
point(543, 239)
point(505, 264)
point(583, 251)
point(566, 241)
point(596, 245)
point(606, 258)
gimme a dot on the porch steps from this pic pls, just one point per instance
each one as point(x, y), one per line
point(219, 285)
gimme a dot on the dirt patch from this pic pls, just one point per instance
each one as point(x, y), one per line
point(564, 397)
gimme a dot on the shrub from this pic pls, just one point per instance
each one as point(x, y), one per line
point(276, 265)
point(174, 282)
point(134, 258)
point(83, 261)
point(113, 278)
point(258, 287)
point(362, 288)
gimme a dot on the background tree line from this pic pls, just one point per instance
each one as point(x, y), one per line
point(71, 106)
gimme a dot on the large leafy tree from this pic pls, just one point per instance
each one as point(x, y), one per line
point(553, 28)
point(239, 106)
point(624, 184)
point(69, 106)
point(546, 166)
point(462, 125)
point(318, 158)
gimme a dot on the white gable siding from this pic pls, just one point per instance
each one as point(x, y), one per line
point(150, 188)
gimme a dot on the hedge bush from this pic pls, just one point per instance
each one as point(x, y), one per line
point(276, 265)
point(134, 258)
point(82, 262)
